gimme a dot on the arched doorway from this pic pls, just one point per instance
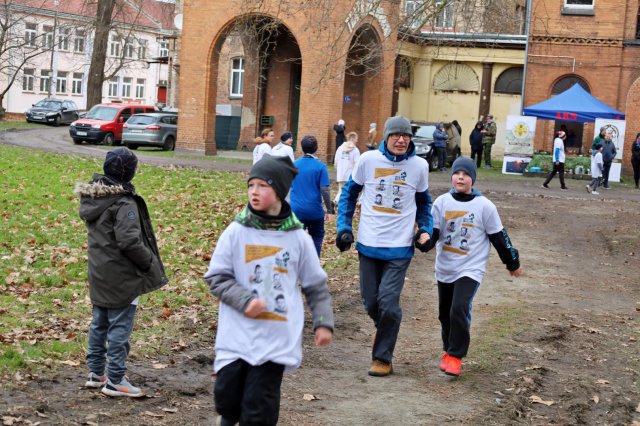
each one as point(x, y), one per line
point(578, 140)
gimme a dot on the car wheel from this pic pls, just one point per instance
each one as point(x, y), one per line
point(169, 144)
point(108, 139)
point(56, 121)
point(77, 141)
point(132, 146)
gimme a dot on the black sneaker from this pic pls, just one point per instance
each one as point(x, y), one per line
point(545, 186)
point(564, 188)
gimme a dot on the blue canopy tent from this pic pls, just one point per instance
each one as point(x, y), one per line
point(574, 104)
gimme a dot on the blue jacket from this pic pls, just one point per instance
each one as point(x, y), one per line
point(608, 152)
point(347, 206)
point(440, 138)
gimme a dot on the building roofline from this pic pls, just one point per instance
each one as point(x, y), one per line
point(507, 41)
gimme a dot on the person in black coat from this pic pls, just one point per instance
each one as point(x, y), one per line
point(339, 128)
point(635, 159)
point(475, 139)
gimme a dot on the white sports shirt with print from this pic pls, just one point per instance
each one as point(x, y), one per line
point(269, 264)
point(463, 247)
point(388, 206)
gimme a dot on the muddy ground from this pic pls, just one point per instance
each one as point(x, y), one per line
point(558, 346)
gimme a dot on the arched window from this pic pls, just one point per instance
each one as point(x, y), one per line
point(455, 77)
point(567, 82)
point(510, 81)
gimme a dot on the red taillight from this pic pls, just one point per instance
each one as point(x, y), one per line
point(153, 127)
point(125, 126)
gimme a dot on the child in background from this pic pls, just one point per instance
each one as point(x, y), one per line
point(597, 167)
point(345, 160)
point(461, 263)
point(260, 323)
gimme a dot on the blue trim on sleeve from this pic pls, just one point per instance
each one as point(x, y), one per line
point(385, 253)
point(424, 219)
point(347, 205)
point(556, 155)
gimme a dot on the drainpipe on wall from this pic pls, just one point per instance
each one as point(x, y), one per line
point(527, 29)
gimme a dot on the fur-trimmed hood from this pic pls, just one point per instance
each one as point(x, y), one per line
point(98, 195)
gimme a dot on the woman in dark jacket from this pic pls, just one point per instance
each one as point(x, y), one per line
point(475, 139)
point(339, 129)
point(635, 159)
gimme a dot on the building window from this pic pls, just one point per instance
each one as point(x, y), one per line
point(455, 77)
point(142, 49)
point(28, 78)
point(444, 14)
point(567, 82)
point(126, 87)
point(63, 38)
point(47, 39)
point(78, 41)
point(404, 72)
point(140, 88)
point(30, 34)
point(128, 48)
point(61, 82)
point(113, 87)
point(237, 77)
point(510, 81)
point(579, 3)
point(114, 46)
point(76, 85)
point(164, 49)
point(45, 80)
point(578, 7)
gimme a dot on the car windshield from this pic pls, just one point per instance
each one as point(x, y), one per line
point(141, 119)
point(102, 113)
point(425, 131)
point(48, 104)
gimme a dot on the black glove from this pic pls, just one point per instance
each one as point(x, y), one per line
point(426, 246)
point(344, 240)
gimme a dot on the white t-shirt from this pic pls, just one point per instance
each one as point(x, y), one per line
point(388, 199)
point(260, 150)
point(596, 165)
point(269, 264)
point(345, 161)
point(463, 247)
point(283, 150)
point(558, 143)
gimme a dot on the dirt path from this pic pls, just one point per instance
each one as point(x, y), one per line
point(566, 334)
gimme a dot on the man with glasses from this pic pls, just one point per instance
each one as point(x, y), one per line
point(386, 233)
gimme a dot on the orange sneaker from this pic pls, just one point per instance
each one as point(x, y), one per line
point(445, 361)
point(454, 366)
point(380, 368)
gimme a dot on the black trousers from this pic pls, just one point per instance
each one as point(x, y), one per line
point(478, 152)
point(605, 173)
point(454, 306)
point(636, 170)
point(559, 169)
point(249, 394)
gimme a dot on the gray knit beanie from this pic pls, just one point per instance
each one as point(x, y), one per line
point(276, 171)
point(466, 164)
point(120, 165)
point(397, 124)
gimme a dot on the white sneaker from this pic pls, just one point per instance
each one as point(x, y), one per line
point(595, 193)
point(124, 388)
point(95, 381)
point(589, 189)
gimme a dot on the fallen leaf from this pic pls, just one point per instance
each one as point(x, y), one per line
point(159, 366)
point(537, 400)
point(309, 397)
point(170, 410)
point(150, 414)
point(71, 363)
point(602, 382)
point(596, 399)
point(39, 414)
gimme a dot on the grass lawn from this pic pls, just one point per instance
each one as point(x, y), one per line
point(44, 307)
point(6, 125)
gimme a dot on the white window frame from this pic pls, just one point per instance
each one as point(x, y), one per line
point(163, 48)
point(140, 85)
point(142, 49)
point(239, 74)
point(64, 34)
point(113, 87)
point(47, 36)
point(128, 48)
point(445, 14)
point(61, 81)
point(30, 34)
point(79, 40)
point(28, 79)
point(45, 80)
point(115, 44)
point(126, 87)
point(76, 83)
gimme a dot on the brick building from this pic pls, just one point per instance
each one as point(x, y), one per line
point(303, 68)
point(595, 44)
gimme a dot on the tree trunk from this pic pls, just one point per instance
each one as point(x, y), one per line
point(99, 53)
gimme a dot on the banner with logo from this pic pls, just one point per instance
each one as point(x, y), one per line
point(617, 129)
point(520, 134)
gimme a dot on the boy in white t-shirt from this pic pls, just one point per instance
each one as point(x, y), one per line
point(597, 168)
point(254, 271)
point(464, 224)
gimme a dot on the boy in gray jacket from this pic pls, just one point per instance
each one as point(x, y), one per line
point(124, 262)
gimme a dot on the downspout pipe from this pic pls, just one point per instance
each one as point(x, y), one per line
point(527, 26)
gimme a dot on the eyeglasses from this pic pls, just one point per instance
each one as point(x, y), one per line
point(396, 136)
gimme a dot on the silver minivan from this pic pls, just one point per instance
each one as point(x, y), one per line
point(151, 129)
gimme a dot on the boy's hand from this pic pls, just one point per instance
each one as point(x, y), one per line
point(255, 307)
point(324, 336)
point(516, 273)
point(328, 217)
point(423, 238)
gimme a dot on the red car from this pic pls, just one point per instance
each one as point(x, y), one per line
point(103, 123)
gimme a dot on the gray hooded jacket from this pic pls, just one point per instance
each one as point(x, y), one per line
point(124, 261)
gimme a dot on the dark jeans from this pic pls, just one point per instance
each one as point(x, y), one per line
point(487, 154)
point(478, 152)
point(381, 283)
point(559, 169)
point(249, 394)
point(636, 170)
point(109, 334)
point(605, 173)
point(315, 228)
point(442, 157)
point(454, 306)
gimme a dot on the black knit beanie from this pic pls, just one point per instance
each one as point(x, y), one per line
point(120, 165)
point(309, 144)
point(276, 171)
point(286, 136)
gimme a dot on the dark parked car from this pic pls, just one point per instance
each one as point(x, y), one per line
point(423, 140)
point(151, 129)
point(52, 111)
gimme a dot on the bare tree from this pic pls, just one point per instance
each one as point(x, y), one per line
point(99, 53)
